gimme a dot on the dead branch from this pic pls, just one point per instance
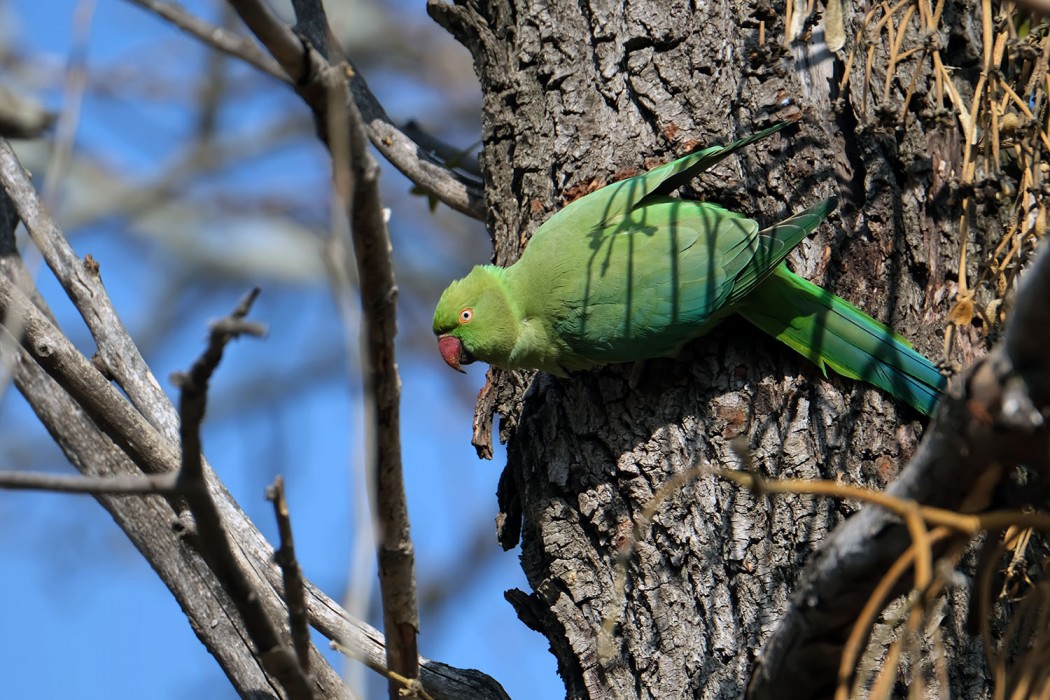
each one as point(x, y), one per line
point(294, 586)
point(147, 521)
point(83, 284)
point(211, 535)
point(218, 38)
point(120, 485)
point(153, 429)
point(356, 178)
point(425, 169)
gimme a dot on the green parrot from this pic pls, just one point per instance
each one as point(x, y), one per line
point(630, 273)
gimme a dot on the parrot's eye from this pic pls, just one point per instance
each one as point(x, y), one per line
point(466, 314)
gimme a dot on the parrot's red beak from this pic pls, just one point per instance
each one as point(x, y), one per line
point(453, 352)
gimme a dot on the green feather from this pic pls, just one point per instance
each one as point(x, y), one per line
point(833, 333)
point(609, 204)
point(628, 273)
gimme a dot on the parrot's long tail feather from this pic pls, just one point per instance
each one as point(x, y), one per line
point(833, 333)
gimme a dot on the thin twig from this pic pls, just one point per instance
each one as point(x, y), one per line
point(970, 524)
point(409, 687)
point(307, 68)
point(339, 264)
point(194, 387)
point(294, 587)
point(117, 485)
point(212, 537)
point(72, 99)
point(869, 613)
point(216, 37)
point(356, 180)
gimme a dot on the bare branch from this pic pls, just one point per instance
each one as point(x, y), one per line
point(72, 99)
point(157, 456)
point(147, 521)
point(216, 37)
point(150, 445)
point(279, 39)
point(991, 418)
point(294, 586)
point(356, 178)
point(49, 348)
point(81, 281)
point(13, 268)
point(307, 68)
point(453, 156)
point(421, 163)
point(46, 345)
point(120, 485)
point(212, 538)
point(194, 395)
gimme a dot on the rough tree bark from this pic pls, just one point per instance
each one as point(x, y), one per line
point(577, 95)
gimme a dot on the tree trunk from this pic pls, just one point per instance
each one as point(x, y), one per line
point(578, 95)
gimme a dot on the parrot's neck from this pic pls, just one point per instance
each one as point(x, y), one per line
point(536, 344)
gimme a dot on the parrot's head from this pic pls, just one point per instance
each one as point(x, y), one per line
point(474, 321)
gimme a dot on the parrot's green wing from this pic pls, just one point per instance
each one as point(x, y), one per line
point(609, 204)
point(662, 181)
point(644, 285)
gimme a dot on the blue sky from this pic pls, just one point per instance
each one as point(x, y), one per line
point(84, 615)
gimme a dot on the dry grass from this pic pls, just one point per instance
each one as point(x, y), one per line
point(1003, 122)
point(1000, 113)
point(894, 640)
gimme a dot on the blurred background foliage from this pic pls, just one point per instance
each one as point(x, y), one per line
point(191, 177)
